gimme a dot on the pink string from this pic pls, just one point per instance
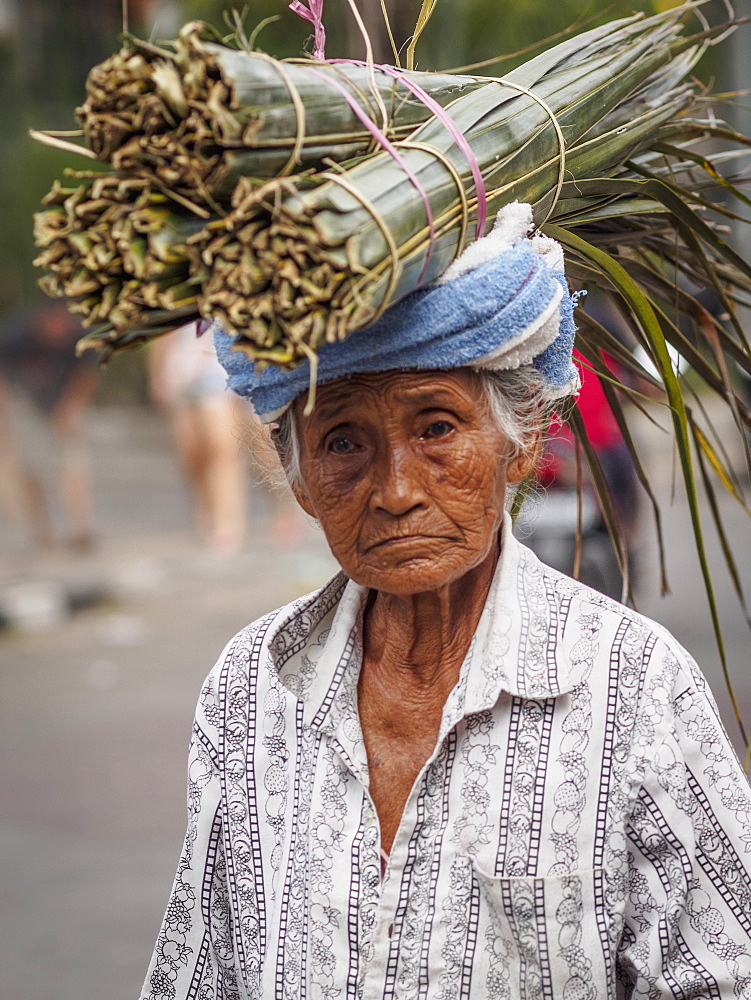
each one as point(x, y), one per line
point(313, 13)
point(442, 115)
point(382, 140)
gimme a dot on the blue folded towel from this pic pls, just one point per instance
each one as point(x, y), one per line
point(512, 299)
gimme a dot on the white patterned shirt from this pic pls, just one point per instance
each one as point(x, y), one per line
point(582, 830)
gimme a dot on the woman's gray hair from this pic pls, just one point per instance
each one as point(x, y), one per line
point(516, 398)
point(519, 405)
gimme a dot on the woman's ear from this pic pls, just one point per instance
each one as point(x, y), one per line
point(298, 489)
point(303, 499)
point(281, 451)
point(525, 460)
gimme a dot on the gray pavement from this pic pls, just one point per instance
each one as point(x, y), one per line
point(97, 704)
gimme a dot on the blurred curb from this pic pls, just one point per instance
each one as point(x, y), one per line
point(41, 597)
point(38, 605)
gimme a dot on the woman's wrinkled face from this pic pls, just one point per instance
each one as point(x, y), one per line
point(406, 472)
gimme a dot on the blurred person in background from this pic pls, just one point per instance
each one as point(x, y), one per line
point(189, 384)
point(550, 524)
point(45, 390)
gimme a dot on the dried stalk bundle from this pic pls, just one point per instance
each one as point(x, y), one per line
point(200, 117)
point(303, 261)
point(310, 258)
point(116, 250)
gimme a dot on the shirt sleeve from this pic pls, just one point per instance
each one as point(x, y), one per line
point(194, 956)
point(687, 924)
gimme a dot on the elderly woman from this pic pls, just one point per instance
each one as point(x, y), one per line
point(452, 772)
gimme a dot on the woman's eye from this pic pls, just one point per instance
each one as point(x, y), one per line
point(438, 429)
point(341, 446)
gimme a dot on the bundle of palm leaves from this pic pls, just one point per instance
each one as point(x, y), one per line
point(199, 115)
point(116, 249)
point(355, 241)
point(289, 262)
point(296, 200)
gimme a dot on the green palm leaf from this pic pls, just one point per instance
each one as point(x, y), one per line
point(644, 313)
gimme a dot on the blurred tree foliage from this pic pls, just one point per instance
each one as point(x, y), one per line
point(48, 46)
point(460, 31)
point(46, 49)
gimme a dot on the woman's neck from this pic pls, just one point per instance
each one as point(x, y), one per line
point(414, 650)
point(420, 641)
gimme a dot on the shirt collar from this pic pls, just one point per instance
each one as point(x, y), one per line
point(517, 648)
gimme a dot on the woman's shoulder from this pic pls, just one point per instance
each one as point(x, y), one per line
point(585, 605)
point(626, 658)
point(261, 642)
point(246, 673)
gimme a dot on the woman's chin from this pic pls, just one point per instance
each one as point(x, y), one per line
point(418, 574)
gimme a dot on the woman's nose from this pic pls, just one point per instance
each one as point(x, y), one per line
point(398, 485)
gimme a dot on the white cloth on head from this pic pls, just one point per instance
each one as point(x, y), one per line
point(513, 223)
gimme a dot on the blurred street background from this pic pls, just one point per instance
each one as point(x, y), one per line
point(107, 631)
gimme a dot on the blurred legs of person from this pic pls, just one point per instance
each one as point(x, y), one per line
point(47, 461)
point(287, 518)
point(215, 434)
point(206, 433)
point(45, 393)
point(188, 383)
point(75, 492)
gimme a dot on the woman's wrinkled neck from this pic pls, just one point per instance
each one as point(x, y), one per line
point(421, 639)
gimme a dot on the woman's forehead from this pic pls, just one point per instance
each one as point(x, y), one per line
point(414, 388)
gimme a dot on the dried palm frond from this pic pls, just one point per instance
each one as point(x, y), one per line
point(304, 261)
point(587, 81)
point(116, 250)
point(197, 118)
